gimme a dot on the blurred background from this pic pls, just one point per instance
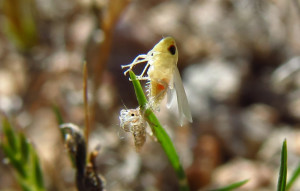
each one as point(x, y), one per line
point(238, 61)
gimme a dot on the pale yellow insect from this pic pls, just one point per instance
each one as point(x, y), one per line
point(132, 121)
point(163, 76)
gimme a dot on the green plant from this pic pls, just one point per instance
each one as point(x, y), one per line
point(161, 135)
point(281, 185)
point(293, 178)
point(23, 157)
point(164, 139)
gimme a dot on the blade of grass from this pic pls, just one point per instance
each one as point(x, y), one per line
point(24, 185)
point(9, 135)
point(59, 120)
point(281, 186)
point(295, 175)
point(58, 115)
point(141, 98)
point(231, 186)
point(14, 161)
point(23, 158)
point(24, 147)
point(160, 134)
point(37, 172)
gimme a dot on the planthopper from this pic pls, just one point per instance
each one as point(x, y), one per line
point(163, 76)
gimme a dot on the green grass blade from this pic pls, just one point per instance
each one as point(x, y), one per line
point(295, 175)
point(58, 115)
point(10, 147)
point(60, 121)
point(23, 158)
point(9, 135)
point(141, 98)
point(37, 175)
point(7, 151)
point(167, 145)
point(160, 134)
point(232, 186)
point(25, 148)
point(14, 161)
point(24, 185)
point(281, 186)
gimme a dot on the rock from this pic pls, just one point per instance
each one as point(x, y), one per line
point(210, 82)
point(243, 131)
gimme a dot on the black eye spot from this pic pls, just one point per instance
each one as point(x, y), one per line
point(172, 49)
point(132, 114)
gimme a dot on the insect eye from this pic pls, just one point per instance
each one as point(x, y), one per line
point(172, 49)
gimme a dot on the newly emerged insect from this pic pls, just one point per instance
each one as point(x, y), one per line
point(132, 121)
point(163, 76)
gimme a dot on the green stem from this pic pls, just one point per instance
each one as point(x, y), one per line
point(160, 133)
point(281, 186)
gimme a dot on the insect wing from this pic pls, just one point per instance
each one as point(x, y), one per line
point(183, 105)
point(170, 96)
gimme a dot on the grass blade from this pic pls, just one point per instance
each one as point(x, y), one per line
point(24, 185)
point(37, 174)
point(25, 148)
point(58, 115)
point(9, 135)
point(232, 186)
point(281, 186)
point(295, 175)
point(141, 98)
point(23, 158)
point(13, 161)
point(160, 134)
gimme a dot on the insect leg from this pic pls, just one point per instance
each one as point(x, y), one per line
point(132, 65)
point(136, 61)
point(140, 77)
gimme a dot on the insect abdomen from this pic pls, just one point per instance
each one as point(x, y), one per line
point(158, 91)
point(139, 134)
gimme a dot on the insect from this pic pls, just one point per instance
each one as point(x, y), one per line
point(132, 121)
point(163, 76)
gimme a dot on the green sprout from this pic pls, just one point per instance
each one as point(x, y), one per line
point(281, 185)
point(23, 157)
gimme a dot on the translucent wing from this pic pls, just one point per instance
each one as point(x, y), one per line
point(170, 95)
point(183, 105)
